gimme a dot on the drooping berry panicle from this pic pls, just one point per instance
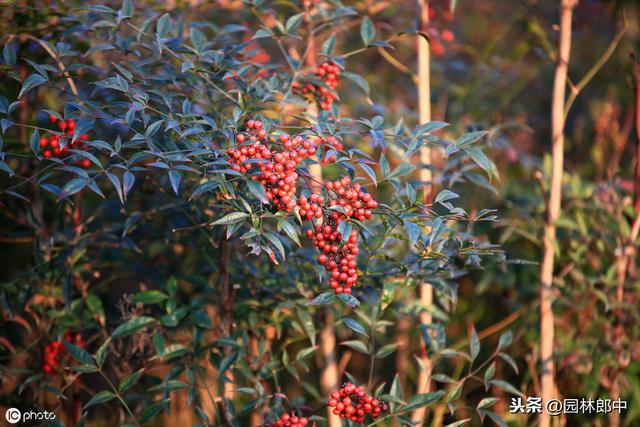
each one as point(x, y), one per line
point(291, 420)
point(329, 73)
point(338, 253)
point(58, 146)
point(274, 168)
point(354, 403)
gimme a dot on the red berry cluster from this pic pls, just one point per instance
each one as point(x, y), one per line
point(338, 259)
point(287, 420)
point(354, 403)
point(55, 351)
point(438, 39)
point(52, 356)
point(276, 169)
point(329, 73)
point(52, 146)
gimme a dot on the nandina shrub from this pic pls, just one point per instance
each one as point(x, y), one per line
point(176, 249)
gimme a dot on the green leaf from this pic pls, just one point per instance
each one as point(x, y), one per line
point(8, 55)
point(101, 354)
point(276, 243)
point(413, 231)
point(132, 326)
point(170, 385)
point(175, 178)
point(153, 129)
point(72, 187)
point(162, 27)
point(507, 387)
point(34, 142)
point(149, 297)
point(85, 369)
point(232, 218)
point(322, 299)
point(489, 373)
point(262, 33)
point(204, 188)
point(307, 323)
point(482, 160)
point(358, 80)
point(257, 189)
point(126, 11)
point(150, 412)
point(356, 345)
point(420, 400)
point(445, 195)
point(470, 138)
point(328, 45)
point(474, 344)
point(79, 354)
point(458, 423)
point(367, 169)
point(386, 350)
point(349, 299)
point(82, 127)
point(305, 353)
point(291, 231)
point(403, 169)
point(202, 319)
point(430, 127)
point(129, 381)
point(510, 361)
point(442, 378)
point(486, 402)
point(101, 397)
point(505, 340)
point(367, 31)
point(174, 350)
point(354, 325)
point(5, 167)
point(293, 22)
point(384, 166)
point(455, 392)
point(30, 82)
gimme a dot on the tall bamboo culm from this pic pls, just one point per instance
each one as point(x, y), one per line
point(547, 369)
point(424, 112)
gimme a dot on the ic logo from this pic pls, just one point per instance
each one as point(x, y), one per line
point(13, 415)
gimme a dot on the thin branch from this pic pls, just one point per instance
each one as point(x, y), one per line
point(56, 58)
point(576, 89)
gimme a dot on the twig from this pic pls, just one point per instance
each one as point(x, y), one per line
point(56, 58)
point(576, 89)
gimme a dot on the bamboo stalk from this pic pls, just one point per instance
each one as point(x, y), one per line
point(426, 177)
point(554, 205)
